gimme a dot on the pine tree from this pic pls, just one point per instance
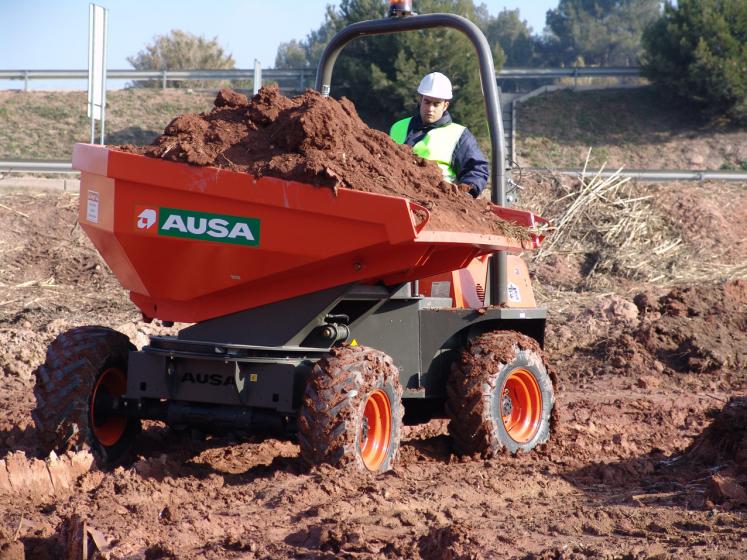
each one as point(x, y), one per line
point(697, 51)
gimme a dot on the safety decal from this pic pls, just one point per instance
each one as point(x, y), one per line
point(513, 292)
point(92, 207)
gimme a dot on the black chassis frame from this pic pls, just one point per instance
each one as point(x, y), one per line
point(249, 369)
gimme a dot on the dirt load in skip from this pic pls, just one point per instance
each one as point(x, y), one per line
point(321, 141)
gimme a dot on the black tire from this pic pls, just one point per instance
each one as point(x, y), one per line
point(342, 392)
point(499, 396)
point(78, 362)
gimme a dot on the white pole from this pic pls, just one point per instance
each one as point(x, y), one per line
point(257, 76)
point(103, 78)
point(91, 33)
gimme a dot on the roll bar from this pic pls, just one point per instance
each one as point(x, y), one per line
point(489, 89)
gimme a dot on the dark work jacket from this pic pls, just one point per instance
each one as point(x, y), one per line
point(469, 163)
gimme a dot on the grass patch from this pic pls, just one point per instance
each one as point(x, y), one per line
point(625, 127)
point(46, 125)
point(630, 128)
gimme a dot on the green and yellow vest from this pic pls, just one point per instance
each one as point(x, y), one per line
point(437, 145)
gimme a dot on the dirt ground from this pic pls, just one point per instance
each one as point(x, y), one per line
point(631, 471)
point(648, 458)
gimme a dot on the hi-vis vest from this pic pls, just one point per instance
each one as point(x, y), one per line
point(438, 145)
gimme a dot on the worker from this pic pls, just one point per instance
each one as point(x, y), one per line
point(434, 136)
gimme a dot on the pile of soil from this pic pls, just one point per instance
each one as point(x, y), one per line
point(700, 328)
point(723, 448)
point(321, 141)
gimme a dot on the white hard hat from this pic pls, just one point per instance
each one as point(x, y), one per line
point(435, 85)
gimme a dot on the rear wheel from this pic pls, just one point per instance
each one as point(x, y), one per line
point(85, 369)
point(352, 411)
point(499, 395)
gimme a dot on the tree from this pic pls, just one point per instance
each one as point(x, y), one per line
point(180, 50)
point(599, 32)
point(511, 34)
point(291, 55)
point(380, 74)
point(697, 51)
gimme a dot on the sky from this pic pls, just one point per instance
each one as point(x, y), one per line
point(53, 34)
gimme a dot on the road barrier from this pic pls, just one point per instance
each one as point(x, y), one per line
point(643, 175)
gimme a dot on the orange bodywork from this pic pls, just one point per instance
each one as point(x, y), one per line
point(466, 286)
point(192, 243)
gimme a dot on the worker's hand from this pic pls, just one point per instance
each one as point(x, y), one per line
point(462, 188)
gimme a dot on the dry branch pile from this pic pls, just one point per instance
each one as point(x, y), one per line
point(605, 218)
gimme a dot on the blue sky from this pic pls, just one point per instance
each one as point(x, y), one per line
point(53, 34)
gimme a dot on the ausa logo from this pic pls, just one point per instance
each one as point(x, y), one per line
point(190, 224)
point(146, 218)
point(207, 378)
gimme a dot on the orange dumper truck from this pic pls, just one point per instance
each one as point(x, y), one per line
point(329, 318)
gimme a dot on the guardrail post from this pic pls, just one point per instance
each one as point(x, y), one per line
point(163, 79)
point(25, 80)
point(257, 77)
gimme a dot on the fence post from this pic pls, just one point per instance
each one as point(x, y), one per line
point(257, 77)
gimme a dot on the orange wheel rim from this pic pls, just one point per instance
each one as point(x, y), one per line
point(107, 428)
point(521, 405)
point(376, 430)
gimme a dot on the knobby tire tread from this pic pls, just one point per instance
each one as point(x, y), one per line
point(65, 381)
point(471, 383)
point(332, 406)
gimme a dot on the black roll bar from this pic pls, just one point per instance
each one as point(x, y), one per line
point(489, 89)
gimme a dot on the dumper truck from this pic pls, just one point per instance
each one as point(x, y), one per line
point(333, 318)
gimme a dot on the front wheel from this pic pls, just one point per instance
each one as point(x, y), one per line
point(85, 369)
point(499, 395)
point(351, 414)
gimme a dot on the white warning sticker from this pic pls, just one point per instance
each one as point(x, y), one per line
point(92, 207)
point(513, 292)
point(441, 289)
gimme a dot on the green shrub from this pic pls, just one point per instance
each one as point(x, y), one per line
point(697, 51)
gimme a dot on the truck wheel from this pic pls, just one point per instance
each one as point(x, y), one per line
point(499, 395)
point(351, 414)
point(85, 367)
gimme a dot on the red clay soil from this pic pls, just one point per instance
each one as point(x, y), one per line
point(666, 336)
point(723, 448)
point(317, 140)
point(646, 460)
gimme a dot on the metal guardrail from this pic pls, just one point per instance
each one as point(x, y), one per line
point(127, 74)
point(300, 75)
point(37, 166)
point(647, 175)
point(575, 72)
point(304, 77)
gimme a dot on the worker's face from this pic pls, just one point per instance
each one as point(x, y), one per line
point(432, 109)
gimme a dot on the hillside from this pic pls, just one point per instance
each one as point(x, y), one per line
point(630, 128)
point(624, 127)
point(46, 124)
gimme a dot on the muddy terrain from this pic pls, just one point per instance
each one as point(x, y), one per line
point(647, 459)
